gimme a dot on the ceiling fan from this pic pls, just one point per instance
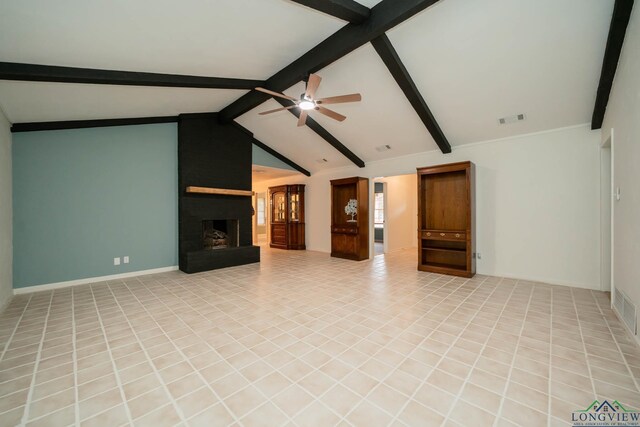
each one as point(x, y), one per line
point(308, 101)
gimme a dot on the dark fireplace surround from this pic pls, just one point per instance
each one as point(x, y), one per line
point(214, 230)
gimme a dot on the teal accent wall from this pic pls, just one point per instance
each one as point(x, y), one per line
point(262, 158)
point(82, 197)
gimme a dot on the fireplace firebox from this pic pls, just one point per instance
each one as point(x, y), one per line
point(219, 234)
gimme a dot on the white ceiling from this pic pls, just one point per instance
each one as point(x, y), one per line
point(261, 173)
point(221, 38)
point(476, 61)
point(44, 102)
point(473, 61)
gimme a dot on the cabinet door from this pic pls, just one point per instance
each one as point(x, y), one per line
point(294, 207)
point(278, 207)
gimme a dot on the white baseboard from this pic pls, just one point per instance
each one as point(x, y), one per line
point(540, 280)
point(50, 286)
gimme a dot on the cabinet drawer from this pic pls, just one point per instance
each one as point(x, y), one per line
point(344, 230)
point(444, 235)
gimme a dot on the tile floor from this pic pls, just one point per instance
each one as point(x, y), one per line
point(304, 339)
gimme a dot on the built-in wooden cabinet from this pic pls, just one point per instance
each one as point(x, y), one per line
point(287, 216)
point(350, 218)
point(446, 219)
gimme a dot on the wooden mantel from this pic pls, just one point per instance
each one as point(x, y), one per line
point(220, 191)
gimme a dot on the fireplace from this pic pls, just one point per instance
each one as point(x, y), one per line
point(214, 178)
point(219, 234)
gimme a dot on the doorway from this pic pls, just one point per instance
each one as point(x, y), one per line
point(261, 218)
point(606, 214)
point(394, 214)
point(379, 218)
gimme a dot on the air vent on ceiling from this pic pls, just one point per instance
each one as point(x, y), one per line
point(511, 119)
point(627, 310)
point(385, 147)
point(322, 161)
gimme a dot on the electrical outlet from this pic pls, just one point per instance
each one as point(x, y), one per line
point(126, 259)
point(116, 261)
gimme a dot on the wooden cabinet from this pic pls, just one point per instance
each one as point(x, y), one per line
point(446, 219)
point(350, 226)
point(287, 216)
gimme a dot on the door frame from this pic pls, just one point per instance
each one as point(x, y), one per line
point(607, 156)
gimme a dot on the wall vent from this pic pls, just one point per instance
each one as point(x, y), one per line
point(627, 311)
point(511, 119)
point(385, 147)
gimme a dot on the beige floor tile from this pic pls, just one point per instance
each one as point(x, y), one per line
point(244, 401)
point(99, 403)
point(292, 400)
point(317, 383)
point(340, 400)
point(264, 416)
point(463, 412)
point(445, 382)
point(523, 415)
point(228, 385)
point(366, 414)
point(415, 414)
point(61, 417)
point(197, 401)
point(164, 416)
point(12, 417)
point(392, 342)
point(528, 396)
point(481, 398)
point(316, 414)
point(51, 403)
point(116, 416)
point(256, 370)
point(387, 399)
point(185, 385)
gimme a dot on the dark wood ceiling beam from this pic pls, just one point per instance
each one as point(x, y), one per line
point(347, 10)
point(619, 21)
point(399, 72)
point(82, 124)
point(384, 16)
point(324, 134)
point(273, 152)
point(51, 73)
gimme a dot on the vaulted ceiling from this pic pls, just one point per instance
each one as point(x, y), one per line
point(472, 61)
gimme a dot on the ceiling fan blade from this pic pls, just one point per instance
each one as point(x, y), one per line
point(353, 97)
point(302, 119)
point(272, 93)
point(330, 113)
point(312, 85)
point(277, 109)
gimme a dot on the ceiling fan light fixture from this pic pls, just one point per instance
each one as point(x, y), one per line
point(305, 104)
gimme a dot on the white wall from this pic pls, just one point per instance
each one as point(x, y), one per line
point(623, 115)
point(401, 219)
point(537, 203)
point(6, 214)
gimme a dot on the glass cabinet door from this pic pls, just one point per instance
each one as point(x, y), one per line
point(279, 207)
point(295, 207)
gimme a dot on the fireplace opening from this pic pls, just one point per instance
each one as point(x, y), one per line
point(219, 233)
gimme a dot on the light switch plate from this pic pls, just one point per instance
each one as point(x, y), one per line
point(126, 259)
point(116, 261)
